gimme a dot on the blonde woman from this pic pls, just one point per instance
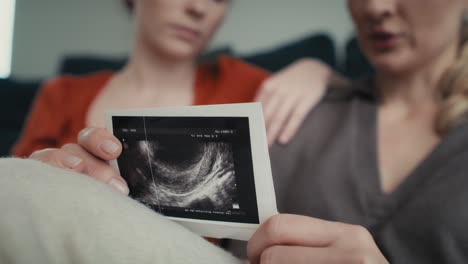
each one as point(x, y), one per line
point(390, 153)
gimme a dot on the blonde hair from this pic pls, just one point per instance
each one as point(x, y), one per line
point(454, 89)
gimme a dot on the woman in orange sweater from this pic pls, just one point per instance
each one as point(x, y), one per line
point(162, 72)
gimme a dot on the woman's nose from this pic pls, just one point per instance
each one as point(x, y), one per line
point(197, 8)
point(378, 10)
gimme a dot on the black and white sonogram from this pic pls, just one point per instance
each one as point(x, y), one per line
point(189, 166)
point(184, 173)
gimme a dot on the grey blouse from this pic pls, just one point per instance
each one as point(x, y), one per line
point(330, 171)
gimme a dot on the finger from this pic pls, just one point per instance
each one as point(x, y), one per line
point(266, 90)
point(100, 143)
point(268, 97)
point(303, 255)
point(269, 109)
point(280, 117)
point(98, 169)
point(295, 120)
point(59, 158)
point(270, 104)
point(286, 229)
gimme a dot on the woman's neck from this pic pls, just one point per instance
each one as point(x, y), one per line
point(418, 89)
point(149, 71)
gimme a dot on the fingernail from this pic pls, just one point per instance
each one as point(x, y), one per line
point(109, 147)
point(119, 186)
point(284, 140)
point(86, 131)
point(71, 161)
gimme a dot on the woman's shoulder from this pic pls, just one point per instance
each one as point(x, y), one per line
point(67, 84)
point(348, 90)
point(229, 80)
point(226, 67)
point(231, 63)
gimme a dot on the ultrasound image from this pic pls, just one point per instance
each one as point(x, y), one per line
point(182, 172)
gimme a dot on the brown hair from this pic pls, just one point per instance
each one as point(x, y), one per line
point(454, 89)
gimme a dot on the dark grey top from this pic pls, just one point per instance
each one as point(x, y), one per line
point(330, 171)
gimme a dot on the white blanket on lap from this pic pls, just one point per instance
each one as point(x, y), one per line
point(48, 215)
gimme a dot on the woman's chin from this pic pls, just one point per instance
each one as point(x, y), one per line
point(181, 52)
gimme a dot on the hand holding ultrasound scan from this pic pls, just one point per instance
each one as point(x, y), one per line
point(90, 156)
point(206, 167)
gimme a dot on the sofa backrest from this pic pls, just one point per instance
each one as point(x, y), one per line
point(318, 46)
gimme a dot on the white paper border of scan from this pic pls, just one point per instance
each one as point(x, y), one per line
point(264, 188)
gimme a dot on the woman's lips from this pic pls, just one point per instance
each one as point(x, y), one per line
point(383, 40)
point(186, 33)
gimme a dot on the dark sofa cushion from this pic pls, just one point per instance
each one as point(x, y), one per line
point(356, 64)
point(86, 64)
point(16, 101)
point(318, 46)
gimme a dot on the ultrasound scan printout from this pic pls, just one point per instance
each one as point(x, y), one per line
point(191, 166)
